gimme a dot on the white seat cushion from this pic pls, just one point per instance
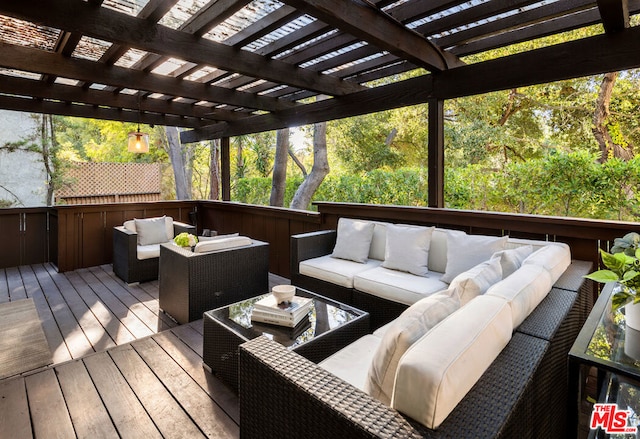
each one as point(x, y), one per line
point(337, 271)
point(398, 286)
point(351, 363)
point(148, 251)
point(523, 290)
point(555, 258)
point(439, 369)
point(405, 330)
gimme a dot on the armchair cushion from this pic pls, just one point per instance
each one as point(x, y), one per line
point(154, 230)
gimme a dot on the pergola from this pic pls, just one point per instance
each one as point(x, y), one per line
point(224, 68)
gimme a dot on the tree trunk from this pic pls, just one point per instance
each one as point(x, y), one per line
point(239, 158)
point(279, 179)
point(319, 171)
point(214, 171)
point(298, 163)
point(178, 163)
point(47, 142)
point(608, 147)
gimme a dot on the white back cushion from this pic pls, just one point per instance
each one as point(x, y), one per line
point(477, 280)
point(408, 249)
point(438, 370)
point(523, 290)
point(152, 230)
point(466, 251)
point(353, 240)
point(401, 333)
point(511, 260)
point(555, 258)
point(378, 241)
point(438, 251)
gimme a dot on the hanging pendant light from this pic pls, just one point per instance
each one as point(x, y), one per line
point(138, 142)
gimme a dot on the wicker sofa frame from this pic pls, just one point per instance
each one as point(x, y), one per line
point(192, 283)
point(523, 394)
point(126, 264)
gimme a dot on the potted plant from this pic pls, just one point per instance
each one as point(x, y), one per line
point(623, 266)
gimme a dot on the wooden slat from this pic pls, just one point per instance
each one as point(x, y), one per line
point(75, 339)
point(88, 414)
point(137, 328)
point(4, 287)
point(118, 333)
point(47, 408)
point(126, 411)
point(14, 409)
point(15, 285)
point(169, 417)
point(209, 417)
point(90, 325)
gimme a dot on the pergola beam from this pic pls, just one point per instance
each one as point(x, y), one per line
point(39, 61)
point(380, 30)
point(588, 56)
point(615, 14)
point(94, 112)
point(69, 93)
point(103, 23)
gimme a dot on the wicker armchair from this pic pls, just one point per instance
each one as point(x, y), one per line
point(192, 283)
point(126, 264)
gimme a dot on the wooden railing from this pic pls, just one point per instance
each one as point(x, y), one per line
point(81, 236)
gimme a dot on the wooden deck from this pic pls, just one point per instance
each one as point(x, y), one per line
point(121, 368)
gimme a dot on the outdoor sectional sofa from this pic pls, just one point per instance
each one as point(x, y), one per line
point(494, 365)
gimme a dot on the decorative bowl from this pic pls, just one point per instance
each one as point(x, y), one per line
point(283, 293)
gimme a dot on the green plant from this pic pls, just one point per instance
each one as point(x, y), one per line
point(623, 266)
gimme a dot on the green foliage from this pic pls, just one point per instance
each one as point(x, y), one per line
point(625, 270)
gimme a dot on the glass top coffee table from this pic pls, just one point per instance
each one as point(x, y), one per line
point(330, 326)
point(607, 343)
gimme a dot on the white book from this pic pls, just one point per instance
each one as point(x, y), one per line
point(275, 319)
point(297, 305)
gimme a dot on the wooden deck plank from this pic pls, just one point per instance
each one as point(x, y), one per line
point(75, 339)
point(4, 287)
point(59, 349)
point(128, 319)
point(191, 362)
point(48, 411)
point(110, 322)
point(209, 417)
point(160, 321)
point(126, 411)
point(14, 409)
point(89, 416)
point(169, 417)
point(189, 336)
point(15, 285)
point(93, 330)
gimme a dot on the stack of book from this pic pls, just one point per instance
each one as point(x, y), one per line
point(289, 314)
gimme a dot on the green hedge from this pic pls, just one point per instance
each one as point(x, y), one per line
point(566, 184)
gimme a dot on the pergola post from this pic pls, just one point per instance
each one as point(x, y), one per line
point(435, 148)
point(225, 171)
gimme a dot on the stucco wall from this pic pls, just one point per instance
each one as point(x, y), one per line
point(22, 173)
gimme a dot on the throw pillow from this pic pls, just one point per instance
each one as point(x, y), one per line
point(408, 249)
point(353, 240)
point(477, 280)
point(466, 251)
point(512, 259)
point(404, 331)
point(151, 231)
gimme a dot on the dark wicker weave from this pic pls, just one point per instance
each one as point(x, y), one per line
point(523, 394)
point(222, 337)
point(192, 283)
point(126, 264)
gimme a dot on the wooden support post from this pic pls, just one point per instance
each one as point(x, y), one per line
point(225, 171)
point(436, 153)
